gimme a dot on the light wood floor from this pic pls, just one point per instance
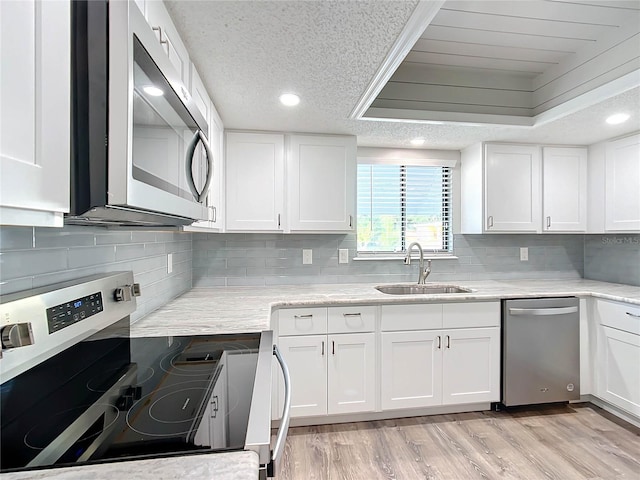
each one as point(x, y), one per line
point(559, 442)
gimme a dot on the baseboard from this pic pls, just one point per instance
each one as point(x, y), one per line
point(386, 415)
point(618, 412)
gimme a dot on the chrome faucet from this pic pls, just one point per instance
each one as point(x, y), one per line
point(423, 273)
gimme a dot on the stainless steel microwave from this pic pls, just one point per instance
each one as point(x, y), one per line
point(139, 144)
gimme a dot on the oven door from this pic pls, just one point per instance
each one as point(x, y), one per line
point(159, 158)
point(259, 429)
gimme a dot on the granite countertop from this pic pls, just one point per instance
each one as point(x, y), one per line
point(216, 466)
point(248, 309)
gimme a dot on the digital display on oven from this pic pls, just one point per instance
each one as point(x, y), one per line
point(68, 313)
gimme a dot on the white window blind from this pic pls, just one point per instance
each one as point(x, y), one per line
point(400, 204)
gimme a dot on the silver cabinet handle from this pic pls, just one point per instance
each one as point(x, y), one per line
point(333, 347)
point(351, 314)
point(448, 341)
point(164, 43)
point(303, 316)
point(543, 311)
point(350, 221)
point(278, 220)
point(215, 214)
point(439, 342)
point(490, 221)
point(548, 222)
point(286, 411)
point(322, 352)
point(200, 197)
point(633, 314)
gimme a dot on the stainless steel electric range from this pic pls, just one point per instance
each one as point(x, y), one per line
point(75, 388)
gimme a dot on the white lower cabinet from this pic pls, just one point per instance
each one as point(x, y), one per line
point(351, 375)
point(617, 365)
point(411, 369)
point(471, 366)
point(332, 370)
point(440, 366)
point(307, 362)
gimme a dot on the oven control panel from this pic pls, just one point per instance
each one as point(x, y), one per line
point(68, 313)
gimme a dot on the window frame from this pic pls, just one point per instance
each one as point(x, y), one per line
point(447, 223)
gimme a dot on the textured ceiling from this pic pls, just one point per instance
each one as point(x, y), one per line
point(247, 53)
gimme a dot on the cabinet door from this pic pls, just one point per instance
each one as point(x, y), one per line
point(471, 366)
point(622, 177)
point(564, 189)
point(255, 187)
point(512, 188)
point(35, 113)
point(321, 177)
point(352, 373)
point(306, 357)
point(618, 368)
point(218, 425)
point(167, 34)
point(411, 369)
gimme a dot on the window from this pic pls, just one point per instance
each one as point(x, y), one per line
point(400, 204)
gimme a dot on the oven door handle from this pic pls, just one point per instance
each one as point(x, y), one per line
point(191, 150)
point(286, 411)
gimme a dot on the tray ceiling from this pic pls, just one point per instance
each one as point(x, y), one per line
point(506, 62)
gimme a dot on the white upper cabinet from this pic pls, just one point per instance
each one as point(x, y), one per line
point(321, 182)
point(199, 94)
point(319, 192)
point(512, 191)
point(35, 115)
point(158, 18)
point(254, 181)
point(526, 189)
point(564, 189)
point(622, 185)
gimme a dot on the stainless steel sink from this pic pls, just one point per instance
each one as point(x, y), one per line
point(417, 289)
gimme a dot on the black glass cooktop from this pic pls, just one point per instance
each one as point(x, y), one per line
point(115, 398)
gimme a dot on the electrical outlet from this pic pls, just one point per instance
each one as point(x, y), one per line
point(307, 256)
point(169, 262)
point(343, 255)
point(524, 254)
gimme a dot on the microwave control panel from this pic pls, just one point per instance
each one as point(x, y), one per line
point(68, 313)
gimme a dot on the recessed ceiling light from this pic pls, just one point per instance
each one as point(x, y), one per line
point(289, 99)
point(618, 118)
point(153, 91)
point(417, 141)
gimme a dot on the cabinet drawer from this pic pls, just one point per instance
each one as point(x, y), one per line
point(622, 316)
point(469, 315)
point(411, 317)
point(302, 321)
point(351, 319)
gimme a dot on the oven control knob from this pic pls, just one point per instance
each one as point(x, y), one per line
point(126, 292)
point(16, 335)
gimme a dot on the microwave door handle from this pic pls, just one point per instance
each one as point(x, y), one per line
point(191, 150)
point(286, 412)
point(203, 195)
point(198, 137)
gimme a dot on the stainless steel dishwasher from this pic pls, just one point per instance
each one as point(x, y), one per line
point(541, 351)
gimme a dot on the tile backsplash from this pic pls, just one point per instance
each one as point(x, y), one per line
point(276, 259)
point(33, 257)
point(612, 258)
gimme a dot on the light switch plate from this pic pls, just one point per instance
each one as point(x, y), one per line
point(343, 255)
point(307, 256)
point(524, 254)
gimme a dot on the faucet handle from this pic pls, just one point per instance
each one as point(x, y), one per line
point(407, 260)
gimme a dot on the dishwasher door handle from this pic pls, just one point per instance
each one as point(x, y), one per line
point(542, 311)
